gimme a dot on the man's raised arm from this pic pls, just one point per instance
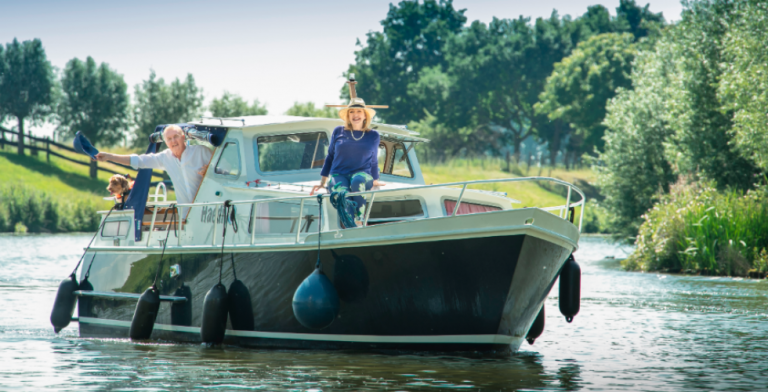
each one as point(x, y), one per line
point(121, 159)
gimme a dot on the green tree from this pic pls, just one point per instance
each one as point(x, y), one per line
point(633, 171)
point(640, 22)
point(413, 37)
point(494, 77)
point(308, 109)
point(26, 83)
point(581, 85)
point(156, 102)
point(94, 101)
point(702, 143)
point(232, 105)
point(743, 87)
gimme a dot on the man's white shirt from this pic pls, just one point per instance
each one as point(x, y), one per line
point(183, 173)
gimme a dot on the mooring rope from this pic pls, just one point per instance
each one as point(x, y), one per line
point(88, 273)
point(165, 243)
point(340, 202)
point(92, 238)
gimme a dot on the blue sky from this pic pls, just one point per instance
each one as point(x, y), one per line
point(276, 51)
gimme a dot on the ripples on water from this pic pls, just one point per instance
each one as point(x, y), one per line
point(634, 332)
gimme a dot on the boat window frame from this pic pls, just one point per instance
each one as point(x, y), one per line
point(221, 154)
point(421, 200)
point(256, 154)
point(407, 160)
point(466, 200)
point(391, 146)
point(127, 222)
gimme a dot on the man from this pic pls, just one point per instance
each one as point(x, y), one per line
point(186, 165)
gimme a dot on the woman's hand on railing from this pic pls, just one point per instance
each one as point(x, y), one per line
point(378, 183)
point(315, 188)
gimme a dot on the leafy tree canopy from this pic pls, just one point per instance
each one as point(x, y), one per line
point(743, 87)
point(232, 105)
point(492, 76)
point(697, 111)
point(633, 170)
point(702, 143)
point(26, 83)
point(413, 38)
point(581, 85)
point(94, 101)
point(156, 102)
point(308, 109)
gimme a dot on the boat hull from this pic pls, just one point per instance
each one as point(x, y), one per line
point(442, 295)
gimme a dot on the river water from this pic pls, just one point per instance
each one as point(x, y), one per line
point(635, 331)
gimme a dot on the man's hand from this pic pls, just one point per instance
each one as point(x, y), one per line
point(121, 159)
point(203, 170)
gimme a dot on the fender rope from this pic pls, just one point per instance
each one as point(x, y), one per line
point(91, 242)
point(319, 228)
point(229, 218)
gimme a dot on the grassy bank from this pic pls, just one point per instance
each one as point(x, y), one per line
point(697, 229)
point(38, 196)
point(530, 194)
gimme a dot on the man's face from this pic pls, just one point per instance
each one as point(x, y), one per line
point(175, 141)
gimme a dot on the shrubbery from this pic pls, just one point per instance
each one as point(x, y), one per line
point(25, 209)
point(699, 229)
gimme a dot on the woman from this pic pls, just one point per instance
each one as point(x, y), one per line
point(352, 162)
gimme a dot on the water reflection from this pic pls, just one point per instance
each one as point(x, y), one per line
point(92, 363)
point(635, 331)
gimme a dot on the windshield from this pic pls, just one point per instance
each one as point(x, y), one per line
point(297, 151)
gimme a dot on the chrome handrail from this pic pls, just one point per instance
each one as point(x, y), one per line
point(464, 184)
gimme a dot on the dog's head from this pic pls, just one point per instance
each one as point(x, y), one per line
point(117, 185)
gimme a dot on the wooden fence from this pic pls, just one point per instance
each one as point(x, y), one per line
point(35, 145)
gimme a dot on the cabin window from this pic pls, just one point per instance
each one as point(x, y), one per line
point(229, 160)
point(116, 228)
point(400, 165)
point(467, 208)
point(297, 151)
point(395, 210)
point(283, 218)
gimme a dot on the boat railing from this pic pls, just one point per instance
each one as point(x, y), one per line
point(562, 210)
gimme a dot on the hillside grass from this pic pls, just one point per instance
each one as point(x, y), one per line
point(30, 186)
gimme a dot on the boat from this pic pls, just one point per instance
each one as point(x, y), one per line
point(434, 267)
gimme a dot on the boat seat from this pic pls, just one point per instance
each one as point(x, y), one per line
point(163, 218)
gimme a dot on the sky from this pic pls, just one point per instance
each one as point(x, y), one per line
point(278, 52)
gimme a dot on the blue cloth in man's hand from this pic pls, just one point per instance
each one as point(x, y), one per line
point(84, 146)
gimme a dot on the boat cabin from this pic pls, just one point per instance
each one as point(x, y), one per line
point(268, 165)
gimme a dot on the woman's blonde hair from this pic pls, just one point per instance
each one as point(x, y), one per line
point(366, 122)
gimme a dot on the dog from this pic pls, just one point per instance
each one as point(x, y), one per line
point(119, 187)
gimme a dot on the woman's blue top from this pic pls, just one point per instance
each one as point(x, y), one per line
point(348, 156)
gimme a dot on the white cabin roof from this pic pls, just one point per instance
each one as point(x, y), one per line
point(253, 123)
